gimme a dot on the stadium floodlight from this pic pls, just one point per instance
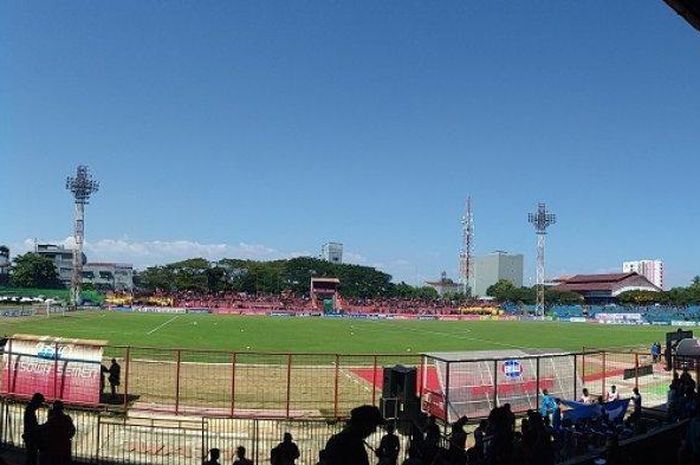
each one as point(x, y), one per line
point(541, 220)
point(82, 186)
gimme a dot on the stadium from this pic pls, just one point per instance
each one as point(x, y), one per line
point(195, 378)
point(192, 320)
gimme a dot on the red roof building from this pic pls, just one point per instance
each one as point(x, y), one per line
point(604, 288)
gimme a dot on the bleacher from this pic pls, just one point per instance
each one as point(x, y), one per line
point(654, 314)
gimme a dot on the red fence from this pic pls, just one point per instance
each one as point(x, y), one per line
point(226, 384)
point(318, 385)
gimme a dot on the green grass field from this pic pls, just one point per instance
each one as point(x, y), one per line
point(240, 333)
point(315, 384)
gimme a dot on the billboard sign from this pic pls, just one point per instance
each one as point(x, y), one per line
point(67, 369)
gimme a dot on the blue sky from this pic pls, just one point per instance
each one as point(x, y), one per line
point(262, 129)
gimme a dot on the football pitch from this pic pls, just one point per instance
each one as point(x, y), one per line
point(241, 362)
point(329, 335)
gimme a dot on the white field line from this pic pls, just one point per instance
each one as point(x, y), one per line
point(354, 378)
point(163, 324)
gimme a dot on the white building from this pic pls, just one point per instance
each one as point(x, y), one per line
point(4, 263)
point(104, 276)
point(332, 252)
point(489, 269)
point(62, 259)
point(653, 270)
point(109, 276)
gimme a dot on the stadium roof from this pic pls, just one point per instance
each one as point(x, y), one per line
point(614, 283)
point(688, 9)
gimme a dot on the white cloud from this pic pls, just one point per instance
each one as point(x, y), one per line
point(147, 253)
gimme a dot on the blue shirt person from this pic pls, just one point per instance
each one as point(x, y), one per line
point(547, 404)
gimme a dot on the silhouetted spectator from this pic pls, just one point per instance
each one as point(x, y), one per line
point(348, 447)
point(690, 446)
point(456, 453)
point(509, 416)
point(389, 446)
point(285, 453)
point(637, 405)
point(479, 433)
point(32, 433)
point(115, 374)
point(556, 415)
point(241, 459)
point(59, 433)
point(432, 433)
point(687, 383)
point(413, 457)
point(214, 455)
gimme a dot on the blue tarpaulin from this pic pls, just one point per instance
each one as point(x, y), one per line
point(578, 410)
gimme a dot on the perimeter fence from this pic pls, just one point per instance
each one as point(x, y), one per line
point(316, 385)
point(107, 438)
point(214, 383)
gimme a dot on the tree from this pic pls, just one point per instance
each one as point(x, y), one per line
point(639, 297)
point(553, 297)
point(502, 291)
point(34, 270)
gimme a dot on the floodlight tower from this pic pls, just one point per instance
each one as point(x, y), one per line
point(82, 186)
point(541, 221)
point(465, 254)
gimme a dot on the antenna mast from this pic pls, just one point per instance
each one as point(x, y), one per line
point(466, 270)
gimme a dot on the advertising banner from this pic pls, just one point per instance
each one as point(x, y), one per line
point(683, 323)
point(67, 369)
point(620, 318)
point(160, 309)
point(17, 312)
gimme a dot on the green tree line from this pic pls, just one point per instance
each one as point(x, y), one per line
point(274, 277)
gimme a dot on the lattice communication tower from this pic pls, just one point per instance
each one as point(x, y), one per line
point(466, 265)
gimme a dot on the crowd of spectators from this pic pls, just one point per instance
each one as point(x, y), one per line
point(542, 437)
point(289, 302)
point(398, 305)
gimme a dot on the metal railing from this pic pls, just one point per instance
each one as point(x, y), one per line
point(231, 384)
point(105, 437)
